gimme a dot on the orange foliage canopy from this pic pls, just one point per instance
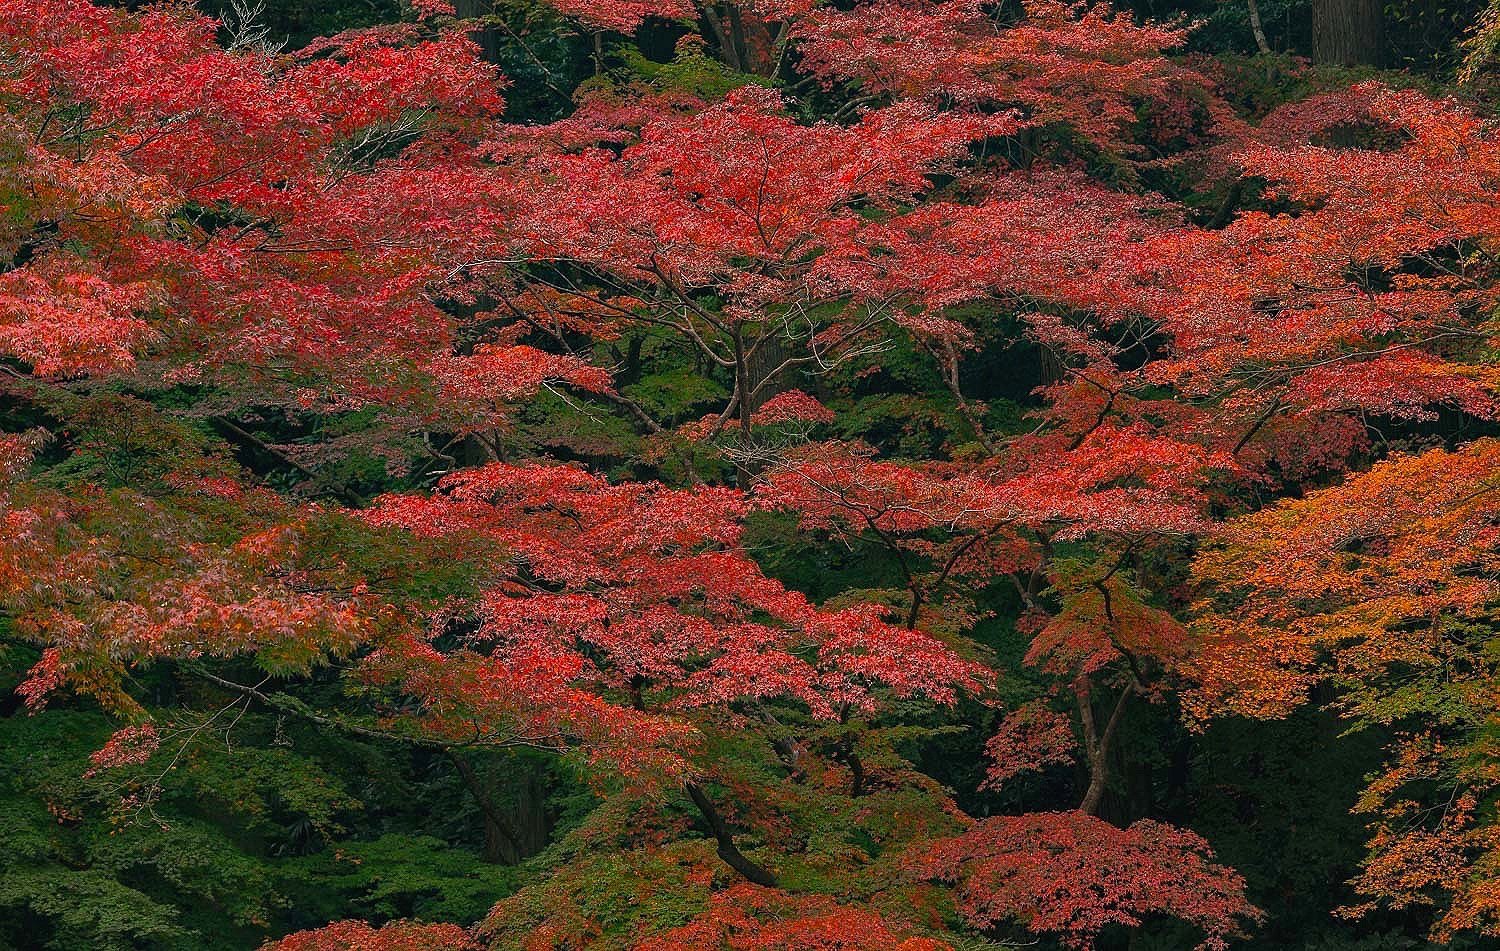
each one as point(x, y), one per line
point(1388, 586)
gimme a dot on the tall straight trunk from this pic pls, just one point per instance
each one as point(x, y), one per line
point(1257, 28)
point(767, 353)
point(1348, 32)
point(487, 38)
point(516, 830)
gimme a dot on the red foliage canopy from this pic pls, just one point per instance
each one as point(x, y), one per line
point(354, 227)
point(1073, 874)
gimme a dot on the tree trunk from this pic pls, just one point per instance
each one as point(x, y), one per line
point(845, 754)
point(513, 834)
point(1347, 32)
point(1257, 28)
point(765, 357)
point(727, 850)
point(487, 38)
point(502, 842)
point(1097, 743)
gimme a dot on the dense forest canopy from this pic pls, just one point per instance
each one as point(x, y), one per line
point(783, 474)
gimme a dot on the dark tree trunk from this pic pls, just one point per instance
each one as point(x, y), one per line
point(487, 38)
point(765, 358)
point(1347, 32)
point(1097, 743)
point(727, 850)
point(512, 834)
point(1257, 28)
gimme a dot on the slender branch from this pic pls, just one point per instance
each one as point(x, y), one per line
point(293, 707)
point(243, 436)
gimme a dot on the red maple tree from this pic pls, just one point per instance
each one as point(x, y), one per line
point(354, 232)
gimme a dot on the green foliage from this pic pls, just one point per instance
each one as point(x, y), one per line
point(117, 440)
point(675, 394)
point(689, 71)
point(397, 876)
point(1482, 45)
point(823, 571)
point(1281, 815)
point(576, 428)
point(82, 874)
point(58, 907)
point(539, 52)
point(609, 898)
point(242, 840)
